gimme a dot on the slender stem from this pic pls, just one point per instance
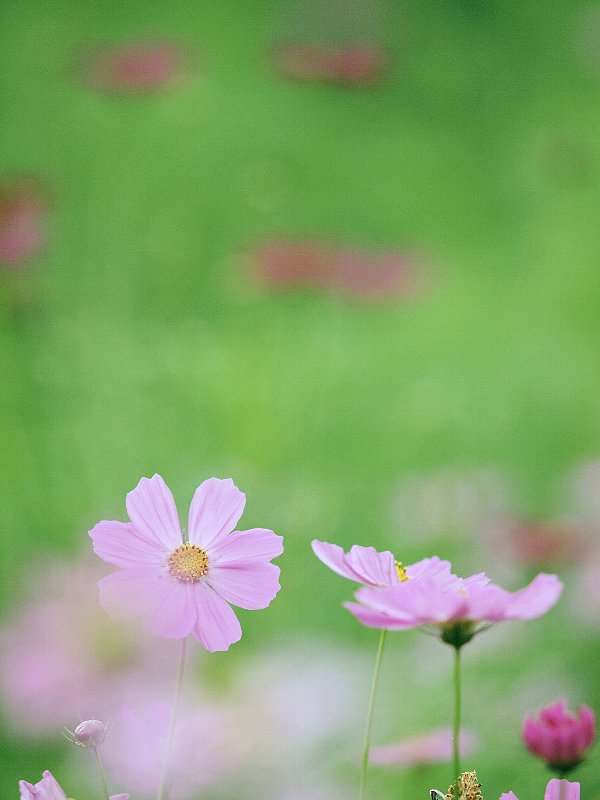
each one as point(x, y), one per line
point(456, 729)
point(101, 773)
point(163, 792)
point(367, 742)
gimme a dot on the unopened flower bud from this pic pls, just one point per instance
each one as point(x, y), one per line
point(90, 733)
point(559, 738)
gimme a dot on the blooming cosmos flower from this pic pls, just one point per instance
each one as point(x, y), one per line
point(559, 738)
point(555, 790)
point(184, 586)
point(368, 566)
point(49, 789)
point(453, 603)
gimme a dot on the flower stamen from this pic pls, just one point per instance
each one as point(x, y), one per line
point(401, 570)
point(188, 563)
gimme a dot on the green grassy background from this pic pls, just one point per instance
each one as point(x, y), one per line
point(137, 344)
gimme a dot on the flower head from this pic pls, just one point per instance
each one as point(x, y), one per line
point(555, 790)
point(90, 733)
point(368, 566)
point(559, 738)
point(453, 604)
point(184, 586)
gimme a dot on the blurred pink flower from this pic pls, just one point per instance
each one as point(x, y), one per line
point(452, 603)
point(203, 749)
point(339, 270)
point(135, 66)
point(181, 587)
point(352, 64)
point(367, 566)
point(427, 748)
point(542, 544)
point(22, 215)
point(62, 659)
point(555, 790)
point(559, 738)
point(49, 789)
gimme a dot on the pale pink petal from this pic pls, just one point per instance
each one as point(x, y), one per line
point(421, 602)
point(130, 592)
point(361, 564)
point(247, 584)
point(375, 619)
point(488, 603)
point(562, 790)
point(257, 544)
point(152, 510)
point(119, 797)
point(332, 555)
point(217, 626)
point(122, 544)
point(428, 566)
point(508, 796)
point(378, 569)
point(536, 599)
point(171, 610)
point(216, 508)
point(46, 789)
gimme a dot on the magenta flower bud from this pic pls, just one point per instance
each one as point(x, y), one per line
point(559, 738)
point(90, 733)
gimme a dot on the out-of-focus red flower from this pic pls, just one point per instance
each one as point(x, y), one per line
point(355, 64)
point(135, 66)
point(559, 738)
point(23, 211)
point(352, 272)
point(547, 543)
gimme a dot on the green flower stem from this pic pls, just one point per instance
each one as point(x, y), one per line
point(367, 743)
point(101, 773)
point(457, 709)
point(163, 792)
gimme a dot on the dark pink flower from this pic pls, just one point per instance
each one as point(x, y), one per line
point(555, 790)
point(180, 587)
point(452, 603)
point(22, 216)
point(135, 66)
point(559, 738)
point(353, 64)
point(368, 566)
point(427, 748)
point(347, 271)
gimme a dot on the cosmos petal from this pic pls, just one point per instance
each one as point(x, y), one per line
point(122, 544)
point(257, 544)
point(152, 510)
point(217, 626)
point(247, 584)
point(215, 510)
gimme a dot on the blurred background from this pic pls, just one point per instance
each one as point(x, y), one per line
point(345, 252)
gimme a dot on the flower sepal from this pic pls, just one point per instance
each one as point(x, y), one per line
point(458, 633)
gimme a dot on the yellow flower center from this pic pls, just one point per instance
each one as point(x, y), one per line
point(401, 570)
point(188, 563)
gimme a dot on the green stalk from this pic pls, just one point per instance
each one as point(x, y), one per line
point(367, 742)
point(457, 709)
point(101, 773)
point(163, 792)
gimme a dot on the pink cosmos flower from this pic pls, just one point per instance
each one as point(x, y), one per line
point(453, 603)
point(23, 212)
point(135, 66)
point(559, 738)
point(49, 789)
point(555, 790)
point(428, 748)
point(368, 566)
point(184, 586)
point(353, 64)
